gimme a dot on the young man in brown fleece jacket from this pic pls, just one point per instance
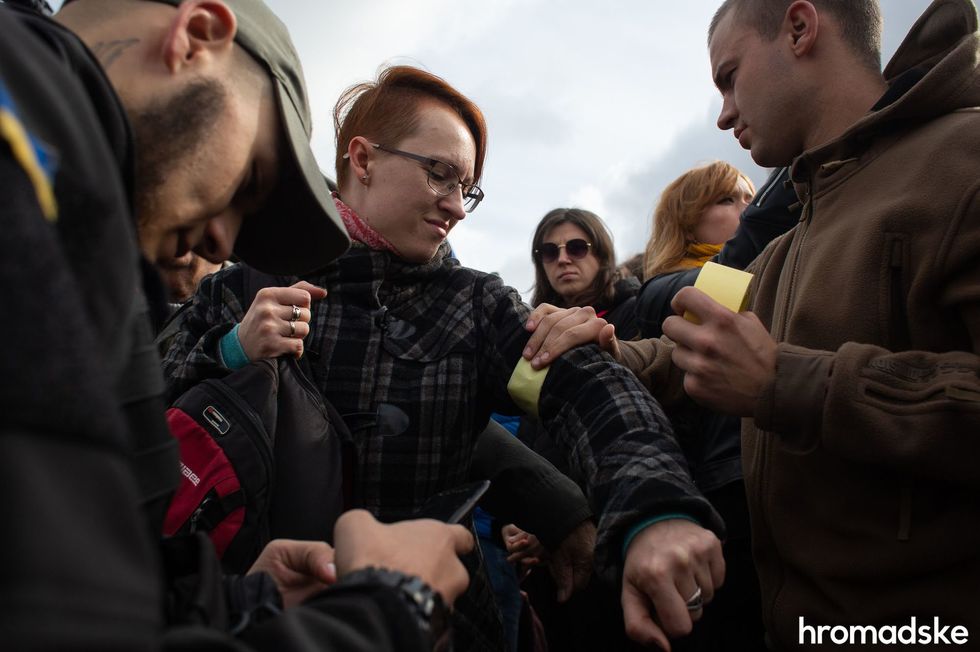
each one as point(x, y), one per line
point(856, 368)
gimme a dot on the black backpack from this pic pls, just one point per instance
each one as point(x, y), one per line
point(263, 455)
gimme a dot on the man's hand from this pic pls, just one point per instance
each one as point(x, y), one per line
point(571, 564)
point(729, 358)
point(425, 548)
point(272, 327)
point(666, 564)
point(558, 330)
point(300, 569)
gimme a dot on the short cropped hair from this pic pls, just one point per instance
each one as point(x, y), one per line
point(859, 20)
point(602, 288)
point(387, 111)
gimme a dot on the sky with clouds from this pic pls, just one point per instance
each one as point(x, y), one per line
point(590, 104)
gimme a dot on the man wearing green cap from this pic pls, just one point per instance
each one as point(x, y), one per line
point(132, 132)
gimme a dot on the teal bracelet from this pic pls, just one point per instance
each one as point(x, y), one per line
point(644, 524)
point(232, 353)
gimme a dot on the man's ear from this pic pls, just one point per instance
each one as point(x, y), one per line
point(801, 25)
point(200, 30)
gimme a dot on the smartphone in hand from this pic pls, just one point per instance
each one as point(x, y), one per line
point(453, 505)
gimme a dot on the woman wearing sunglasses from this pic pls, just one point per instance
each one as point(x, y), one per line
point(416, 351)
point(575, 265)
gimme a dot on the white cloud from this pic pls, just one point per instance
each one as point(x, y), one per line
point(589, 196)
point(598, 104)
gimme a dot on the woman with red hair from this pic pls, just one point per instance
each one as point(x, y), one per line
point(416, 351)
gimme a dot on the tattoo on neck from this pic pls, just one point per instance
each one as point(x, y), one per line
point(109, 51)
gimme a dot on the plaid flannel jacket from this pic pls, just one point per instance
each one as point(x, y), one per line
point(437, 343)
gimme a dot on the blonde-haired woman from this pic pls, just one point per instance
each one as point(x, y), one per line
point(697, 213)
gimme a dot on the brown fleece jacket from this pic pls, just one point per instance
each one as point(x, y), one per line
point(860, 461)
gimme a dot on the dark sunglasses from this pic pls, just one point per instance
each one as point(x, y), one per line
point(576, 249)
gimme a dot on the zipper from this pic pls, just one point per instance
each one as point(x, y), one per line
point(900, 339)
point(803, 229)
point(780, 177)
point(263, 444)
point(311, 390)
point(191, 526)
point(265, 451)
point(762, 460)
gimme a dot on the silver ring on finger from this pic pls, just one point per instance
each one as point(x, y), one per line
point(297, 312)
point(696, 601)
point(292, 327)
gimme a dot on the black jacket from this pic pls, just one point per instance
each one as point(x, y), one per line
point(86, 460)
point(621, 312)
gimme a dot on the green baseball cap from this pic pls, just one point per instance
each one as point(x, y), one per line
point(299, 229)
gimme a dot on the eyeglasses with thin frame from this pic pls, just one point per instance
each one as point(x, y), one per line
point(576, 249)
point(441, 177)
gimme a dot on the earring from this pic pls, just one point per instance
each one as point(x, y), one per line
point(364, 179)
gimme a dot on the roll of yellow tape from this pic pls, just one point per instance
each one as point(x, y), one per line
point(525, 386)
point(726, 285)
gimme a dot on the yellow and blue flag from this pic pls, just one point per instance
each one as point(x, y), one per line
point(34, 157)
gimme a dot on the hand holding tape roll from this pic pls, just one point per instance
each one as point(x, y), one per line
point(727, 356)
point(726, 285)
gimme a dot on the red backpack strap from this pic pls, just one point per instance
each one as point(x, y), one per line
point(209, 497)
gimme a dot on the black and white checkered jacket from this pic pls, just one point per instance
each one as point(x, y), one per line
point(417, 356)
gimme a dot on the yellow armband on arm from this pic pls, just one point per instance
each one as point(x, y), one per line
point(525, 384)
